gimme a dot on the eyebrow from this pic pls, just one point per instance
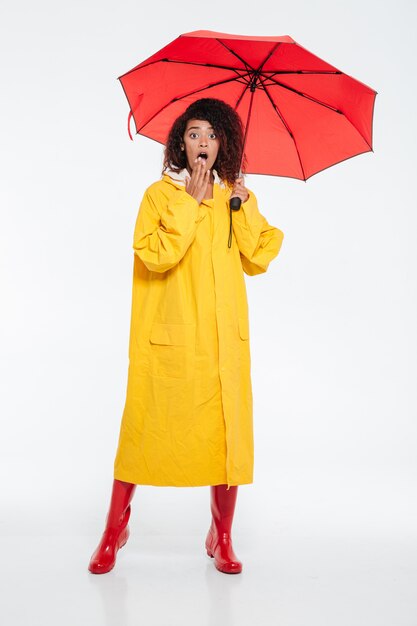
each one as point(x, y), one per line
point(191, 127)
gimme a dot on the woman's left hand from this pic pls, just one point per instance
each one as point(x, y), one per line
point(239, 190)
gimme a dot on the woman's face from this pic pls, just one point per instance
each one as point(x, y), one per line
point(200, 139)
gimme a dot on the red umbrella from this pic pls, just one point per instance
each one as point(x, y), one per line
point(300, 114)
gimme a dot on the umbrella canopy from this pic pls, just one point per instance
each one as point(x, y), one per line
point(300, 114)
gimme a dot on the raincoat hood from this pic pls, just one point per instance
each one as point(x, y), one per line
point(180, 177)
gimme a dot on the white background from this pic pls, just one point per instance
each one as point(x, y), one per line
point(326, 532)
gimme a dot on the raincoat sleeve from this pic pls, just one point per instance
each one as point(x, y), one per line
point(165, 228)
point(258, 241)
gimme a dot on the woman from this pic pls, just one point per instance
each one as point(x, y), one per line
point(187, 420)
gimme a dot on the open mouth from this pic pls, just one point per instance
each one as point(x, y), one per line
point(203, 155)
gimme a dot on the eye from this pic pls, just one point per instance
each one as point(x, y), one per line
point(212, 135)
point(193, 137)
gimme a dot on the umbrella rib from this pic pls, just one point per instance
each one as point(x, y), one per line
point(268, 56)
point(190, 93)
point(140, 67)
point(220, 67)
point(316, 101)
point(241, 95)
point(248, 67)
point(166, 60)
point(303, 95)
point(284, 121)
point(274, 72)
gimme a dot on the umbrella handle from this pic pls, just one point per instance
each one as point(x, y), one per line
point(235, 203)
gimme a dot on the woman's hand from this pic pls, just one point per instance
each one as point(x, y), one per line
point(196, 186)
point(239, 190)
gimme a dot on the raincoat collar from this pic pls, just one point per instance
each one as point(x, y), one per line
point(179, 177)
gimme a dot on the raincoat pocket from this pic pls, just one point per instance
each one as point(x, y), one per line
point(243, 328)
point(172, 350)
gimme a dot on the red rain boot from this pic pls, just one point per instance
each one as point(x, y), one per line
point(117, 531)
point(219, 540)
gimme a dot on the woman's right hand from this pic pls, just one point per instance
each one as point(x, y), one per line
point(196, 186)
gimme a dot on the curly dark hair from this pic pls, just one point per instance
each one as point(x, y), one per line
point(229, 129)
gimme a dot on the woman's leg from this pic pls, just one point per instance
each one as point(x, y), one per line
point(116, 532)
point(219, 539)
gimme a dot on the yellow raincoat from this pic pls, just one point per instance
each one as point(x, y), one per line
point(187, 419)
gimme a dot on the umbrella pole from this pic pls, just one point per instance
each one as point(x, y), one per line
point(236, 202)
point(234, 205)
